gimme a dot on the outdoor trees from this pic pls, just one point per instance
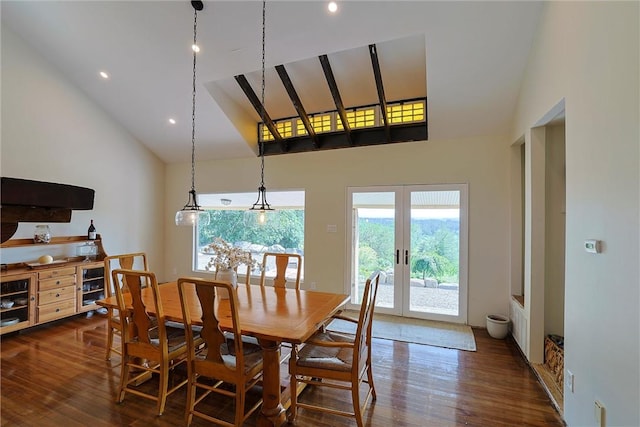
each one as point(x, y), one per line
point(435, 255)
point(233, 226)
point(434, 247)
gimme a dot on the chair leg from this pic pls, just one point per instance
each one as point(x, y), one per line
point(294, 398)
point(239, 405)
point(164, 385)
point(370, 381)
point(191, 399)
point(109, 343)
point(355, 395)
point(124, 377)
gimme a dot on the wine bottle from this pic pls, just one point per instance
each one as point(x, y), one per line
point(91, 234)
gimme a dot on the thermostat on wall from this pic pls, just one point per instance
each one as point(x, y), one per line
point(592, 246)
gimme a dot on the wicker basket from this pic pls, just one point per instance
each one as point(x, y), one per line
point(554, 358)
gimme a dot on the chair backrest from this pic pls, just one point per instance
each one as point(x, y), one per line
point(212, 309)
point(282, 263)
point(132, 261)
point(147, 331)
point(362, 348)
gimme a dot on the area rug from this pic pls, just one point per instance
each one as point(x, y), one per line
point(427, 332)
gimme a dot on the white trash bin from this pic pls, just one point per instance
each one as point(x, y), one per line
point(497, 326)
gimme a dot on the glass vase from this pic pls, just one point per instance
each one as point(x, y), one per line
point(42, 234)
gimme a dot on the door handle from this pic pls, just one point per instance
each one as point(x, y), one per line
point(406, 257)
point(397, 256)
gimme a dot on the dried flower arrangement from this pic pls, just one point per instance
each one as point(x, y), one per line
point(226, 256)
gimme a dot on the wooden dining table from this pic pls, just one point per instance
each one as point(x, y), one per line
point(272, 315)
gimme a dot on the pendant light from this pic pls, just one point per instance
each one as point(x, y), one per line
point(261, 206)
point(192, 214)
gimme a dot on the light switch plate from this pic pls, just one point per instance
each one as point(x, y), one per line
point(592, 246)
point(568, 379)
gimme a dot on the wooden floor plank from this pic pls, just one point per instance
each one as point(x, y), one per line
point(56, 375)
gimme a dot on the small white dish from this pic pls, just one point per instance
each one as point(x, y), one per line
point(6, 303)
point(89, 302)
point(9, 321)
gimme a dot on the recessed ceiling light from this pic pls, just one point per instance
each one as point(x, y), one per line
point(195, 48)
point(104, 75)
point(172, 121)
point(333, 7)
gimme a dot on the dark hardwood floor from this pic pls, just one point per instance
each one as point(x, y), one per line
point(57, 376)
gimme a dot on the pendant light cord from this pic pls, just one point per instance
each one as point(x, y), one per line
point(261, 143)
point(261, 204)
point(193, 105)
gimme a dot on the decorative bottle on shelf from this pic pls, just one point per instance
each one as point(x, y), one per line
point(91, 233)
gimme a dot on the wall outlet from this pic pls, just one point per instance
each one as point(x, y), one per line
point(568, 380)
point(312, 286)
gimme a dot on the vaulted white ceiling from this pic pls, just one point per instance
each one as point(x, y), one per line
point(468, 58)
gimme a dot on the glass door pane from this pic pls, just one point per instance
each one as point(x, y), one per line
point(373, 222)
point(434, 236)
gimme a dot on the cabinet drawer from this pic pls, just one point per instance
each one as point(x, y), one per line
point(55, 311)
point(58, 294)
point(56, 282)
point(57, 272)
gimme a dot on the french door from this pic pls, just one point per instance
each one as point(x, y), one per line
point(416, 235)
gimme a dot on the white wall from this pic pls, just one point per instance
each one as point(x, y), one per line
point(554, 231)
point(587, 53)
point(51, 131)
point(325, 176)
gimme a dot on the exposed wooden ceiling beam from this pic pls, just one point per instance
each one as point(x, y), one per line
point(337, 99)
point(361, 138)
point(257, 104)
point(295, 99)
point(378, 76)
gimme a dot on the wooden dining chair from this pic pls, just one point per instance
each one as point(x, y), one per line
point(149, 346)
point(221, 361)
point(338, 360)
point(282, 262)
point(131, 261)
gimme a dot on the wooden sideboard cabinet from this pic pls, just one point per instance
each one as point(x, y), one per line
point(19, 288)
point(39, 294)
point(56, 294)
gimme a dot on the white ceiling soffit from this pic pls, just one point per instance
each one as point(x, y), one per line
point(419, 199)
point(475, 52)
point(293, 199)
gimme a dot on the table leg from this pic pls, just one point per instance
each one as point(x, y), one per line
point(272, 412)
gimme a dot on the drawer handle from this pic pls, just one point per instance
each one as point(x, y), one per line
point(57, 310)
point(57, 295)
point(58, 282)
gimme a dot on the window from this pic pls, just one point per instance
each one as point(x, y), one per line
point(232, 221)
point(406, 112)
point(361, 118)
point(398, 113)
